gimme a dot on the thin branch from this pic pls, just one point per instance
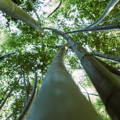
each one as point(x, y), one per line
point(97, 28)
point(85, 92)
point(30, 100)
point(107, 10)
point(8, 95)
point(109, 67)
point(66, 37)
point(34, 10)
point(49, 46)
point(93, 94)
point(112, 19)
point(114, 58)
point(6, 91)
point(7, 55)
point(55, 9)
point(25, 85)
point(9, 116)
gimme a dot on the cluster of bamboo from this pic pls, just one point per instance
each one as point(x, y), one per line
point(59, 98)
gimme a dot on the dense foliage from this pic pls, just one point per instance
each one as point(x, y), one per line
point(32, 51)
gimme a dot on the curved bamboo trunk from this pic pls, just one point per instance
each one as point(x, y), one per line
point(59, 98)
point(106, 82)
point(13, 10)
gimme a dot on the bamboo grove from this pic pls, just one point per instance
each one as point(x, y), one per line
point(59, 98)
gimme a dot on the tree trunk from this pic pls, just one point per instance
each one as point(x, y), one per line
point(59, 98)
point(13, 10)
